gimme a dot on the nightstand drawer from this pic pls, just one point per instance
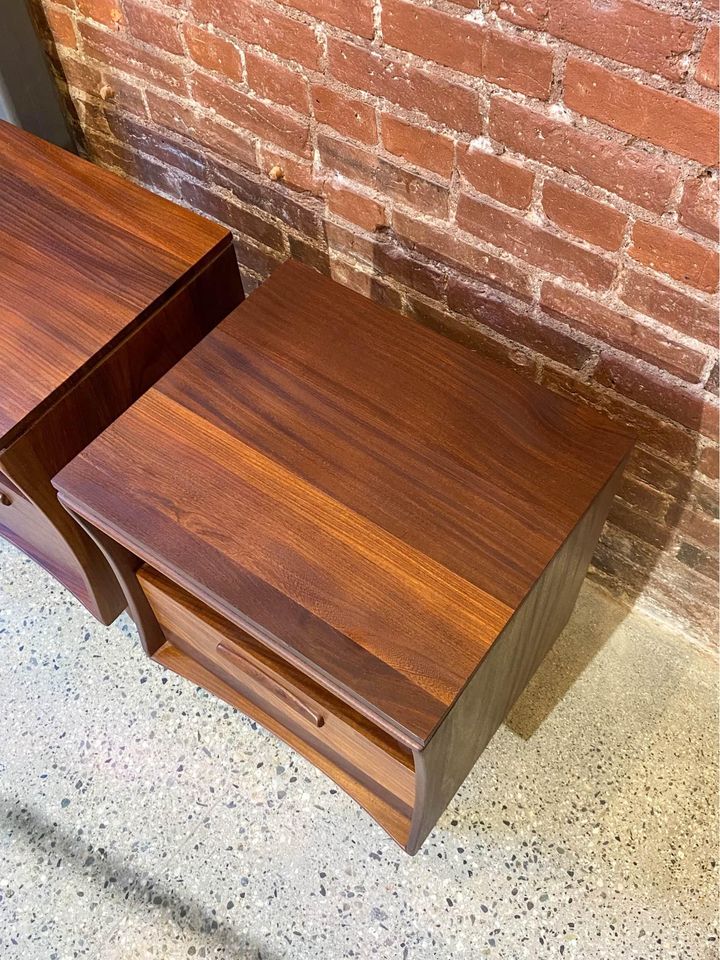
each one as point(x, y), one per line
point(298, 704)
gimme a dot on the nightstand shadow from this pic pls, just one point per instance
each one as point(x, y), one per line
point(596, 616)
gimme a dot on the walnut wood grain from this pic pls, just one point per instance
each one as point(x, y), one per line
point(83, 254)
point(104, 287)
point(367, 498)
point(502, 676)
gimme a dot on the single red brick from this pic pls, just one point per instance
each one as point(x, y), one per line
point(629, 173)
point(355, 207)
point(699, 208)
point(266, 120)
point(439, 243)
point(204, 131)
point(670, 253)
point(111, 49)
point(692, 317)
point(630, 32)
point(707, 68)
point(418, 145)
point(533, 244)
point(103, 11)
point(399, 184)
point(449, 103)
point(623, 332)
point(276, 82)
point(61, 27)
point(414, 191)
point(351, 117)
point(467, 299)
point(214, 53)
point(671, 122)
point(261, 25)
point(507, 182)
point(355, 16)
point(153, 27)
point(468, 47)
point(595, 222)
point(670, 398)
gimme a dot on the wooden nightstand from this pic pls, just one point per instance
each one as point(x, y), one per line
point(358, 532)
point(104, 287)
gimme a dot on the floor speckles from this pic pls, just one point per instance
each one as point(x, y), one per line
point(142, 818)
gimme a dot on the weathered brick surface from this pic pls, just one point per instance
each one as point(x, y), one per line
point(625, 31)
point(414, 88)
point(699, 209)
point(153, 26)
point(352, 117)
point(276, 82)
point(533, 244)
point(635, 175)
point(417, 145)
point(510, 183)
point(468, 47)
point(707, 67)
point(684, 259)
point(534, 178)
point(595, 222)
point(214, 53)
point(662, 118)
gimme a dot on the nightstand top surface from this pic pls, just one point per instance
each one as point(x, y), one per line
point(350, 487)
point(83, 255)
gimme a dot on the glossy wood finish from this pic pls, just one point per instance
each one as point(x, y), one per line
point(375, 505)
point(104, 287)
point(83, 254)
point(503, 675)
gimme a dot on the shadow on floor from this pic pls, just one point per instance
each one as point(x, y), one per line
point(571, 654)
point(155, 900)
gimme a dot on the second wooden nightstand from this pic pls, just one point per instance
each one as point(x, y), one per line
point(104, 287)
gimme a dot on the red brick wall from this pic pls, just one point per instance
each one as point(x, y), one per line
point(533, 177)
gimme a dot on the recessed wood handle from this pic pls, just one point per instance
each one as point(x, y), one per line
point(270, 683)
point(5, 500)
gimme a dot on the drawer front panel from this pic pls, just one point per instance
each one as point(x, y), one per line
point(276, 686)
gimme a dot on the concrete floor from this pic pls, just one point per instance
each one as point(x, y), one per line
point(140, 817)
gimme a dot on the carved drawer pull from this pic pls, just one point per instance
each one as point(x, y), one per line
point(270, 683)
point(5, 500)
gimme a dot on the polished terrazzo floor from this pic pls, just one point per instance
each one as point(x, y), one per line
point(139, 817)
